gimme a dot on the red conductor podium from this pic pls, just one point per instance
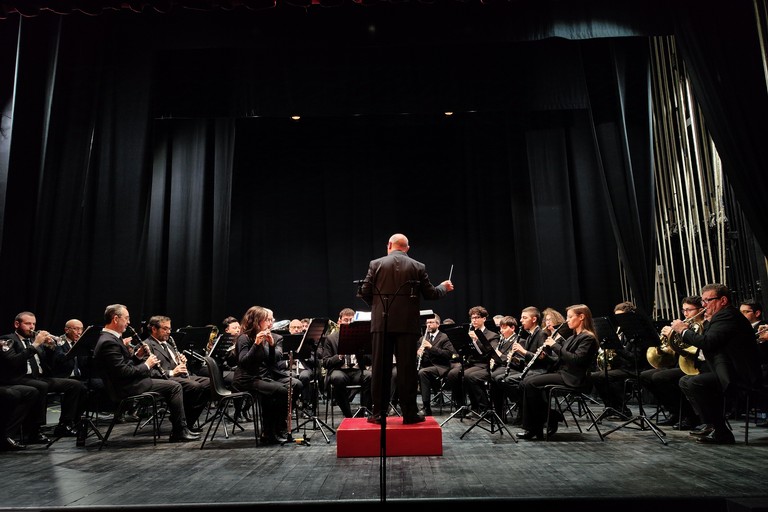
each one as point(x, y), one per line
point(355, 437)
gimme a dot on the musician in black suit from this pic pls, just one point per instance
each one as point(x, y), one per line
point(506, 384)
point(435, 353)
point(23, 360)
point(197, 389)
point(344, 370)
point(753, 311)
point(259, 352)
point(476, 368)
point(664, 382)
point(16, 402)
point(618, 365)
point(570, 361)
point(728, 344)
point(128, 375)
point(392, 288)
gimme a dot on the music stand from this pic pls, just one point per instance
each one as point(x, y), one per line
point(459, 336)
point(220, 349)
point(639, 330)
point(84, 347)
point(487, 351)
point(355, 338)
point(605, 330)
point(310, 342)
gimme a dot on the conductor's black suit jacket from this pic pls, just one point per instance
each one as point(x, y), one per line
point(388, 278)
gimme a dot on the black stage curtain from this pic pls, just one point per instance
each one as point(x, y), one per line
point(171, 179)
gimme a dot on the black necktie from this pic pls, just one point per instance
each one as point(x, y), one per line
point(33, 360)
point(431, 337)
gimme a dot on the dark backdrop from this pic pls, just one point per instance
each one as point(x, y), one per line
point(149, 160)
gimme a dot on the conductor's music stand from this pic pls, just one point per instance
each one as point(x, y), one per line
point(355, 338)
point(605, 330)
point(639, 330)
point(84, 347)
point(313, 337)
point(489, 415)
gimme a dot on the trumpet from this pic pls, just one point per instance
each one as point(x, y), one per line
point(50, 340)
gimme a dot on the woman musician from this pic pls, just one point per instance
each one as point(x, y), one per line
point(663, 383)
point(571, 360)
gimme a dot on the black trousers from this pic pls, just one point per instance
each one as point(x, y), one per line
point(73, 395)
point(16, 402)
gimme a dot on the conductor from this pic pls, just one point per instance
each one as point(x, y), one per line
point(392, 288)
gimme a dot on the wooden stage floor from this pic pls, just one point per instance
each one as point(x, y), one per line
point(631, 470)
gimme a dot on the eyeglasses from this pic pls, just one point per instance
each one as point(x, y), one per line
point(707, 301)
point(163, 328)
point(690, 310)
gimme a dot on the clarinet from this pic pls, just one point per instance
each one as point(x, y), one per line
point(511, 355)
point(159, 366)
point(182, 357)
point(533, 360)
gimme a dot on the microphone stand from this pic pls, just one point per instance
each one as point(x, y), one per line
point(382, 395)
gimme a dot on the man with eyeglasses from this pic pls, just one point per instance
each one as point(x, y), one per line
point(728, 344)
point(126, 375)
point(664, 382)
point(197, 389)
point(753, 311)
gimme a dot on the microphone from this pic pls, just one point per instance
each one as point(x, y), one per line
point(413, 284)
point(359, 282)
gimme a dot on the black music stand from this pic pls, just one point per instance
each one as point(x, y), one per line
point(355, 338)
point(605, 330)
point(489, 415)
point(459, 336)
point(193, 340)
point(639, 330)
point(220, 349)
point(310, 343)
point(84, 347)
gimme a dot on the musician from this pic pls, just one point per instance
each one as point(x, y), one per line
point(395, 322)
point(128, 375)
point(552, 319)
point(754, 313)
point(728, 344)
point(570, 361)
point(524, 346)
point(23, 361)
point(197, 389)
point(435, 354)
point(295, 326)
point(664, 383)
point(16, 403)
point(259, 352)
point(476, 367)
point(344, 370)
point(618, 365)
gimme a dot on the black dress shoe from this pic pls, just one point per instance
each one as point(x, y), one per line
point(413, 419)
point(684, 425)
point(38, 438)
point(183, 436)
point(427, 411)
point(702, 430)
point(273, 439)
point(374, 419)
point(718, 437)
point(530, 434)
point(195, 431)
point(62, 430)
point(9, 445)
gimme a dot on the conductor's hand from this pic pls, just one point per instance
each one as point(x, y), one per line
point(447, 284)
